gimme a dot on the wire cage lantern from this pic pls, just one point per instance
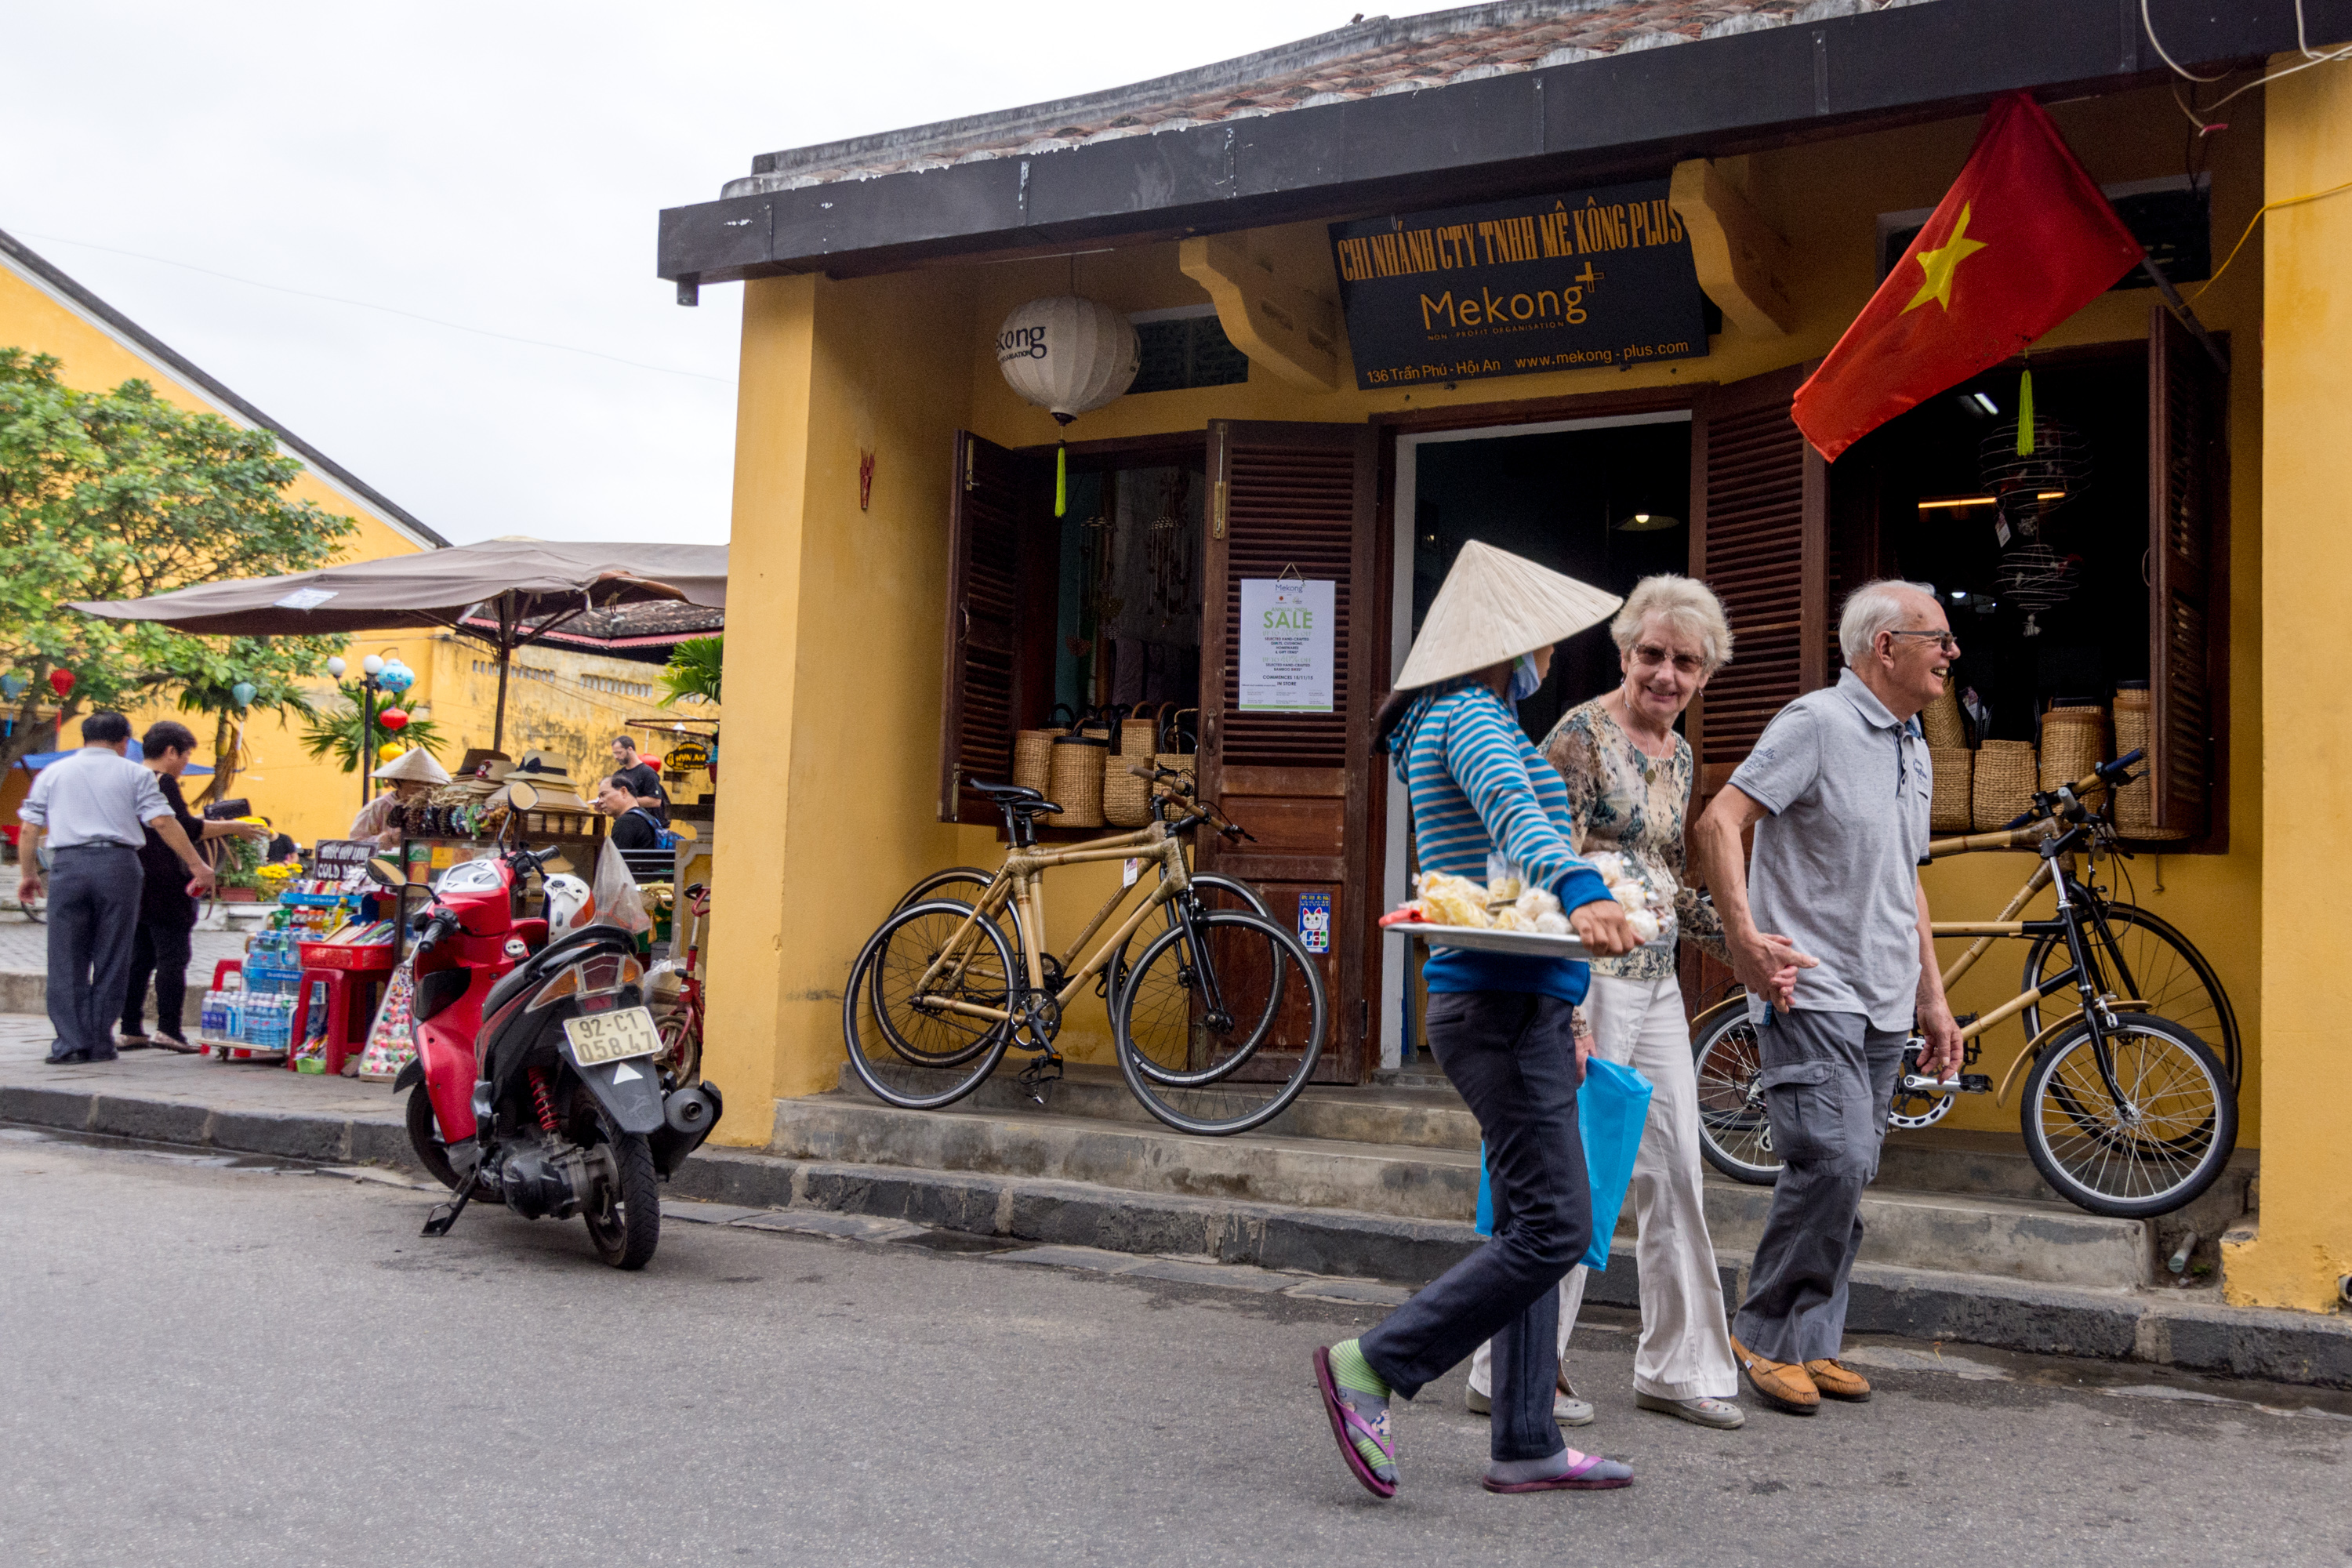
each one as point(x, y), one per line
point(2052, 468)
point(2035, 578)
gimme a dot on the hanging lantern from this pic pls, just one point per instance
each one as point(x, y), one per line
point(396, 677)
point(393, 718)
point(12, 686)
point(388, 751)
point(61, 682)
point(1068, 355)
point(242, 694)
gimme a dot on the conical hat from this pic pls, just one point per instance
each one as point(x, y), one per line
point(1496, 605)
point(415, 765)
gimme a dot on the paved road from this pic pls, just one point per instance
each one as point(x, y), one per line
point(210, 1364)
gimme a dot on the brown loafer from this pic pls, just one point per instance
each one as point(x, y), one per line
point(1833, 1379)
point(1784, 1385)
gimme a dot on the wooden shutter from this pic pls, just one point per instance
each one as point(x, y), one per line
point(1299, 496)
point(989, 560)
point(2188, 475)
point(1760, 538)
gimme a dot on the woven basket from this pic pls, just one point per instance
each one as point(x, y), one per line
point(1955, 771)
point(1173, 742)
point(2002, 789)
point(1032, 758)
point(1077, 783)
point(1126, 799)
point(1947, 727)
point(2074, 741)
point(2136, 801)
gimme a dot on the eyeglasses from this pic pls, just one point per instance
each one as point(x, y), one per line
point(1652, 655)
point(1944, 640)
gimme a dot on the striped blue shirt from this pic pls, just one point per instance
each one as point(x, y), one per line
point(1479, 787)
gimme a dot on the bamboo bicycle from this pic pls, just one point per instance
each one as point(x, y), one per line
point(1218, 1024)
point(2127, 1109)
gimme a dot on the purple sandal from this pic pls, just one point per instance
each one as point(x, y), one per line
point(1589, 1474)
point(1347, 1425)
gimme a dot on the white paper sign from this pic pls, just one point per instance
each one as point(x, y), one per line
point(1285, 646)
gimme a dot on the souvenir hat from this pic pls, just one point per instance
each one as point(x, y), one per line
point(476, 756)
point(551, 777)
point(1494, 606)
point(414, 765)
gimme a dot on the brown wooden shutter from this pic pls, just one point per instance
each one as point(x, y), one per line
point(1301, 496)
point(2187, 462)
point(1760, 538)
point(987, 679)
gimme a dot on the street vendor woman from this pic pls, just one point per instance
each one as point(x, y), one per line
point(413, 775)
point(1500, 1026)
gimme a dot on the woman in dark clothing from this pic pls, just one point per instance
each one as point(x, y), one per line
point(166, 913)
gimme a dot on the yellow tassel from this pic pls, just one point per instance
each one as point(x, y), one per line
point(2025, 415)
point(1061, 478)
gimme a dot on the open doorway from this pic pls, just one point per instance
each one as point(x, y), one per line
point(1600, 500)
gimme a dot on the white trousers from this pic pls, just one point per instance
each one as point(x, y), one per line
point(1686, 1348)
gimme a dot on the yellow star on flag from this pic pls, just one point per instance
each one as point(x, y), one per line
point(1940, 263)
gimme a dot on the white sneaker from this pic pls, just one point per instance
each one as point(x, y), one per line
point(1566, 1408)
point(1719, 1414)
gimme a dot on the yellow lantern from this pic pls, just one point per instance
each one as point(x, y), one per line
point(388, 751)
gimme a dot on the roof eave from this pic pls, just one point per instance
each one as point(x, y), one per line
point(1582, 123)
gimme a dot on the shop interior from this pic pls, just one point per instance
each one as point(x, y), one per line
point(1128, 630)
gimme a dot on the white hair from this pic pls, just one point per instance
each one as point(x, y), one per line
point(1875, 607)
point(1690, 608)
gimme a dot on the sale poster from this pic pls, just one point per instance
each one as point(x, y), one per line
point(1285, 647)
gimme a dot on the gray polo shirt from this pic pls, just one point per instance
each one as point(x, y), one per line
point(1836, 864)
point(94, 798)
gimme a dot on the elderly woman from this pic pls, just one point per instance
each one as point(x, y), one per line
point(413, 775)
point(1629, 785)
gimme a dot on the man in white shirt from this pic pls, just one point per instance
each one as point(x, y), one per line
point(94, 808)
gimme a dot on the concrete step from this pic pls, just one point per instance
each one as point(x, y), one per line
point(2010, 1238)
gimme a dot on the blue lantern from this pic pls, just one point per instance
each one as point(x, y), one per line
point(242, 693)
point(12, 686)
point(396, 677)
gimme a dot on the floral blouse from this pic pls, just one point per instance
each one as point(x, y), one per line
point(1622, 798)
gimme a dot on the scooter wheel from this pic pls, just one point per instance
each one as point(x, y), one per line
point(424, 1137)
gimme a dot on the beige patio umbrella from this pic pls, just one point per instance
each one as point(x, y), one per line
point(508, 593)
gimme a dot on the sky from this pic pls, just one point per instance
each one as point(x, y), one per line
point(455, 177)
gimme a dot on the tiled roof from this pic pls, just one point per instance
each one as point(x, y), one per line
point(656, 624)
point(1362, 60)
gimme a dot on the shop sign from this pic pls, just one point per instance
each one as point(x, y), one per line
point(1285, 645)
point(1542, 283)
point(685, 756)
point(1315, 921)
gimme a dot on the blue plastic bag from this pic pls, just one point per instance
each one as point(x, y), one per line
point(1610, 1111)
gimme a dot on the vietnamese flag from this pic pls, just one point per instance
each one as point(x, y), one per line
point(2022, 240)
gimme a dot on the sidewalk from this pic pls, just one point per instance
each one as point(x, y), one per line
point(255, 1107)
point(25, 963)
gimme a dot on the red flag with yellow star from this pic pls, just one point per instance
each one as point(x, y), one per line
point(2022, 240)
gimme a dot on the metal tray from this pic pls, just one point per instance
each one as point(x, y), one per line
point(1528, 944)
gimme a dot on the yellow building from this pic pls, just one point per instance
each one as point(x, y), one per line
point(571, 695)
point(1239, 216)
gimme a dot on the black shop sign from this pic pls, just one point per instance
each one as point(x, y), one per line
point(1543, 283)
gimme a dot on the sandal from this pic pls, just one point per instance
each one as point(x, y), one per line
point(1347, 1427)
point(1589, 1473)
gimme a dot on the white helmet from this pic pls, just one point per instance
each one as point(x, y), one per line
point(570, 904)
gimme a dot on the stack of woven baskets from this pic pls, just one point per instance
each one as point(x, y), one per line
point(1084, 762)
point(1955, 764)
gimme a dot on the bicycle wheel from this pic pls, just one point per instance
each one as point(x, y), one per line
point(2147, 1153)
point(1734, 1131)
point(681, 1038)
point(965, 884)
point(2143, 959)
point(920, 1053)
point(1229, 1009)
point(1212, 893)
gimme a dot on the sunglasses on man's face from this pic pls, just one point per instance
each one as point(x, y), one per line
point(1651, 654)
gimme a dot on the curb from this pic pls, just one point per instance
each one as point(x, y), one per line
point(1919, 1303)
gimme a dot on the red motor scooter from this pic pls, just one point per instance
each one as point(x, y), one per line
point(535, 1081)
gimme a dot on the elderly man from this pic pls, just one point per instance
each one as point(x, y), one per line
point(95, 807)
point(1830, 935)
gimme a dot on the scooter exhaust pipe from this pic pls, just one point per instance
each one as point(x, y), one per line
point(690, 1110)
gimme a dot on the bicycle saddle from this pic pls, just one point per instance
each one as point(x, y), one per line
point(1015, 797)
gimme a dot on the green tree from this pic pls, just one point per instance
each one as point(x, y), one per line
point(213, 692)
point(693, 669)
point(122, 495)
point(336, 730)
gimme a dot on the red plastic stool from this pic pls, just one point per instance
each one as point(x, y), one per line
point(349, 1011)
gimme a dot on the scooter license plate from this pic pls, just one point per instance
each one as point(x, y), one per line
point(612, 1037)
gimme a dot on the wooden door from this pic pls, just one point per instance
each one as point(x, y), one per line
point(997, 551)
point(1283, 496)
point(2188, 480)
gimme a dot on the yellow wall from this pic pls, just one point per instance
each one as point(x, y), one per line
point(802, 897)
point(2304, 1245)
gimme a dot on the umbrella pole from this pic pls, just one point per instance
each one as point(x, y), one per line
point(506, 658)
point(367, 739)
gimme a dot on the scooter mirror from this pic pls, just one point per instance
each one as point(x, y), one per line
point(522, 797)
point(384, 871)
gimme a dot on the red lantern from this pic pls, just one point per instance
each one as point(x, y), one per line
point(393, 719)
point(61, 682)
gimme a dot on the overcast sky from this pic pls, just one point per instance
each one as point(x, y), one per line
point(499, 166)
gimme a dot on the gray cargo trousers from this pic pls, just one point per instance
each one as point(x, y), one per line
point(1827, 1078)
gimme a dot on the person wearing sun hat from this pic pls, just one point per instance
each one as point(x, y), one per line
point(1500, 1026)
point(413, 775)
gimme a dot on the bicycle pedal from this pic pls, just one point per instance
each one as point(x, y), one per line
point(1964, 1019)
point(1975, 1083)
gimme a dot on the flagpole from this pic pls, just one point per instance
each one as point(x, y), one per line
point(2179, 307)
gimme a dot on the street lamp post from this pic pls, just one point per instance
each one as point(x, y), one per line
point(371, 667)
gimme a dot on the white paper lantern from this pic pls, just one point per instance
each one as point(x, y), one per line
point(1068, 355)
